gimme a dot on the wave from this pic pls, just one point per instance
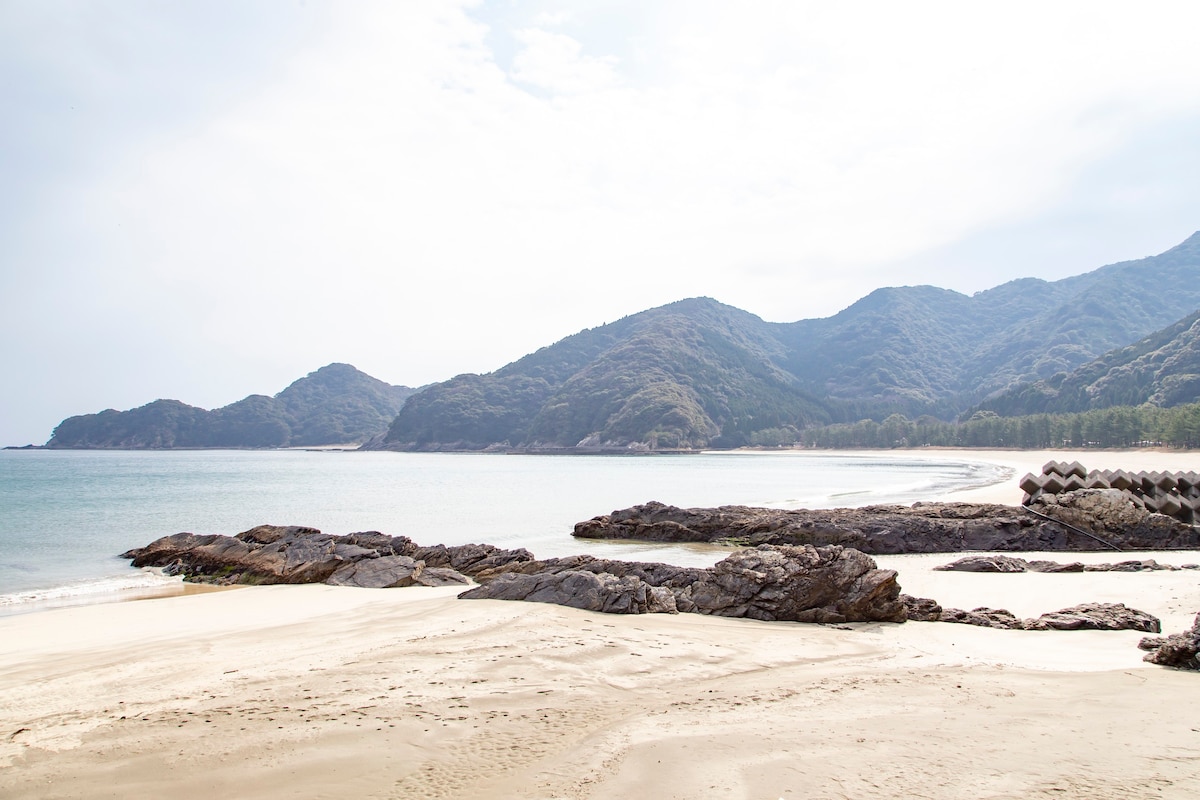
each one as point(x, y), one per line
point(84, 592)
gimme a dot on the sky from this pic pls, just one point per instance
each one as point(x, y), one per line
point(203, 200)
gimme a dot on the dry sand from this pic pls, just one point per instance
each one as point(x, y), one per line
point(317, 691)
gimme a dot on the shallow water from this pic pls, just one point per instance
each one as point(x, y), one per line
point(65, 516)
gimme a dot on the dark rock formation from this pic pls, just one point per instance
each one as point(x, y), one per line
point(1087, 616)
point(590, 591)
point(1180, 650)
point(388, 572)
point(986, 563)
point(999, 563)
point(294, 554)
point(803, 584)
point(920, 528)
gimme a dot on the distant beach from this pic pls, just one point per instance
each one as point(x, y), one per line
point(314, 691)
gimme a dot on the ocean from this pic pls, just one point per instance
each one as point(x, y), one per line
point(65, 516)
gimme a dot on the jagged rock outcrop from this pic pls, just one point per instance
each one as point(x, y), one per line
point(797, 583)
point(1087, 616)
point(296, 554)
point(590, 591)
point(891, 529)
point(999, 563)
point(1181, 650)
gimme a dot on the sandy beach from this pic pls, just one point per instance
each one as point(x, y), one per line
point(317, 691)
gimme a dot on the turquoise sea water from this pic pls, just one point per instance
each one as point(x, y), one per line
point(66, 515)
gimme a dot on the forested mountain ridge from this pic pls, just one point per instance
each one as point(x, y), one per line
point(337, 404)
point(916, 350)
point(698, 373)
point(1162, 369)
point(672, 377)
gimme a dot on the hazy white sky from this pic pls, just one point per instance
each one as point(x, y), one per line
point(203, 200)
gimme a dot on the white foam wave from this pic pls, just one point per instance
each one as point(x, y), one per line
point(89, 591)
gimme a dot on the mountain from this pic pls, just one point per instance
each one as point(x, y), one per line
point(679, 376)
point(1162, 369)
point(337, 404)
point(917, 350)
point(698, 373)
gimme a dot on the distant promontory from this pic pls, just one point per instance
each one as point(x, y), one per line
point(336, 405)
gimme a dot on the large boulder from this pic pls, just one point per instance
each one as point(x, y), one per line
point(803, 584)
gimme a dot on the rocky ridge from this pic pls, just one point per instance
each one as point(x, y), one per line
point(994, 562)
point(1083, 617)
point(920, 528)
point(803, 584)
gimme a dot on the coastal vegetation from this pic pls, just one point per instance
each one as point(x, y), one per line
point(1118, 426)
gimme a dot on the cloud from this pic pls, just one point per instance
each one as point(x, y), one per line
point(429, 188)
point(555, 63)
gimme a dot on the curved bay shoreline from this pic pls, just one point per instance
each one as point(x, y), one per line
point(315, 690)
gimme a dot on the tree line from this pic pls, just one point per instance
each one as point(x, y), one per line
point(1120, 426)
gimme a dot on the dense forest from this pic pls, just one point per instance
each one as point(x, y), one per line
point(1117, 426)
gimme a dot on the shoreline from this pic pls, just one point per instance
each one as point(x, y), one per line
point(321, 691)
point(1003, 490)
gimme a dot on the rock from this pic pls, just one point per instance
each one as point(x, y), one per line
point(921, 609)
point(802, 584)
point(470, 559)
point(1054, 566)
point(1088, 616)
point(920, 528)
point(988, 563)
point(589, 591)
point(441, 576)
point(1001, 563)
point(1180, 650)
point(987, 618)
point(656, 574)
point(1101, 617)
point(385, 572)
point(292, 554)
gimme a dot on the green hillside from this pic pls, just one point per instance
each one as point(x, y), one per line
point(1162, 369)
point(681, 376)
point(337, 404)
point(697, 373)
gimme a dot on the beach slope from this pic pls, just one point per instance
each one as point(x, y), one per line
point(318, 691)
